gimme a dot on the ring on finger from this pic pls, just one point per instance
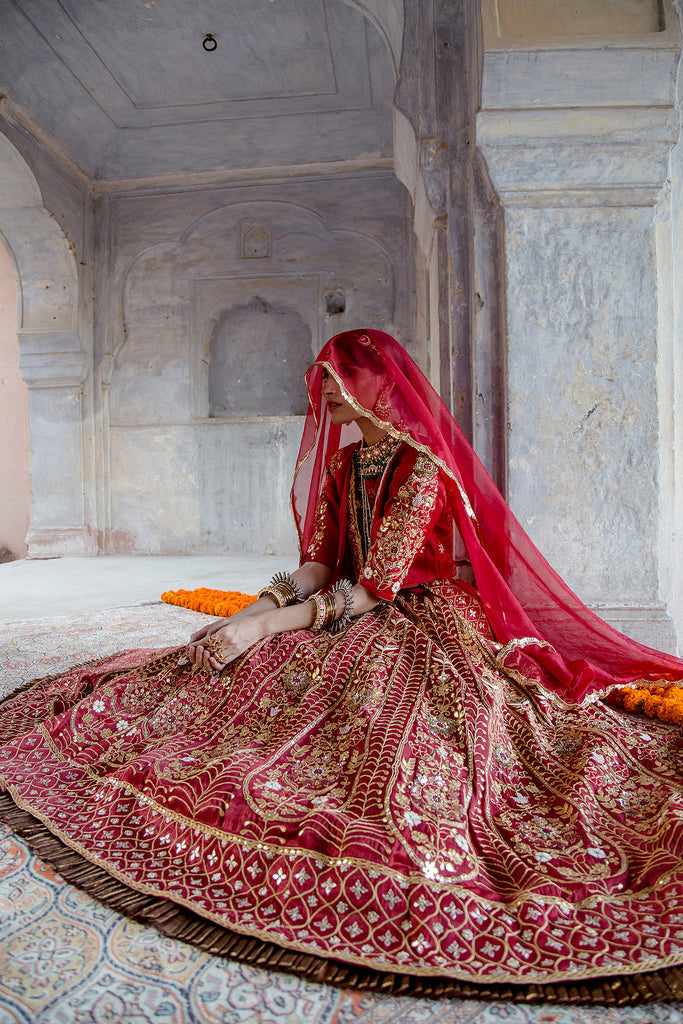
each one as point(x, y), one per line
point(215, 648)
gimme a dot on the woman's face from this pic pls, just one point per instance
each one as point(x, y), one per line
point(340, 410)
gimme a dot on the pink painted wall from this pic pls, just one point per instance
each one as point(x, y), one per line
point(13, 424)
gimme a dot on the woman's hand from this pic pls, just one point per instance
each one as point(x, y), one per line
point(221, 642)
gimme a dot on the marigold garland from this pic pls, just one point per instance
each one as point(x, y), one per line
point(656, 700)
point(211, 602)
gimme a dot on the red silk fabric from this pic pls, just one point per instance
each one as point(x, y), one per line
point(563, 645)
point(412, 535)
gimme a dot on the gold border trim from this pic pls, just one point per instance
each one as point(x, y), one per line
point(376, 964)
point(400, 435)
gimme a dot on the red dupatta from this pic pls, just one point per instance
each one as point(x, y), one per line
point(546, 633)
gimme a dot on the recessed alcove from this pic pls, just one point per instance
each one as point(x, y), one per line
point(258, 356)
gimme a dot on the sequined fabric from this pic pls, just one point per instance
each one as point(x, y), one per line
point(386, 797)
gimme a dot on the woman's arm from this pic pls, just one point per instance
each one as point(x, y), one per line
point(263, 618)
point(240, 631)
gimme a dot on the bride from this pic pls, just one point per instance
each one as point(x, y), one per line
point(378, 761)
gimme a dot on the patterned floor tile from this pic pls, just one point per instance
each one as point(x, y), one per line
point(144, 951)
point(229, 993)
point(48, 957)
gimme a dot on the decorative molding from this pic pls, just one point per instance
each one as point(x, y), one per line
point(275, 174)
point(47, 542)
point(649, 624)
point(269, 175)
point(583, 156)
point(19, 117)
point(51, 360)
point(597, 196)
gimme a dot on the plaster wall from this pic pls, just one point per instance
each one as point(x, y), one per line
point(582, 400)
point(578, 140)
point(54, 326)
point(13, 423)
point(174, 269)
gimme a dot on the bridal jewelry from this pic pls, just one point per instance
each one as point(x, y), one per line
point(373, 459)
point(283, 589)
point(325, 610)
point(345, 587)
point(215, 648)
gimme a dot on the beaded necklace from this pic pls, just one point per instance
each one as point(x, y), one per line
point(372, 459)
point(370, 462)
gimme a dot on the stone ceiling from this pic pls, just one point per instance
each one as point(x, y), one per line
point(125, 90)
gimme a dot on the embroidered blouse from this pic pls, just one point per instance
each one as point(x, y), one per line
point(411, 536)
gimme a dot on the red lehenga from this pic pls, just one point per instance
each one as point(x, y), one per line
point(432, 791)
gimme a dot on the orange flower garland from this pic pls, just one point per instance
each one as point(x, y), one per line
point(656, 700)
point(211, 602)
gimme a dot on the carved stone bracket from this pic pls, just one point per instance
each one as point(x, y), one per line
point(51, 360)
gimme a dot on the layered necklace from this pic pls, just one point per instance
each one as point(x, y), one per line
point(370, 462)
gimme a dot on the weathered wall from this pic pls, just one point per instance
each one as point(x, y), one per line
point(181, 277)
point(44, 220)
point(13, 423)
point(577, 136)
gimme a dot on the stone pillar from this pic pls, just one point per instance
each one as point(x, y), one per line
point(436, 101)
point(54, 368)
point(577, 142)
point(52, 361)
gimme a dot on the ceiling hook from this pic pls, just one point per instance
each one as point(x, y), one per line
point(210, 43)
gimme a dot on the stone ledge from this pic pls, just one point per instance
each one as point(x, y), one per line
point(648, 624)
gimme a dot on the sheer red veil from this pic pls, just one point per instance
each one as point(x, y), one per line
point(546, 632)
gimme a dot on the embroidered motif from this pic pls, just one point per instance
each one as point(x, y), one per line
point(389, 797)
point(402, 530)
point(323, 532)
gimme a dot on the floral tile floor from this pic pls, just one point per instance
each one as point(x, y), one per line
point(66, 959)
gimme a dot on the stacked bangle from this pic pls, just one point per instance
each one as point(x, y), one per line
point(325, 610)
point(345, 587)
point(283, 589)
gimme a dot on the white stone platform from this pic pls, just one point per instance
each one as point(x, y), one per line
point(37, 588)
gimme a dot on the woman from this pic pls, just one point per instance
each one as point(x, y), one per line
point(378, 762)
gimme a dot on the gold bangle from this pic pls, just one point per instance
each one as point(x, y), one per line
point(284, 589)
point(272, 592)
point(319, 603)
point(330, 610)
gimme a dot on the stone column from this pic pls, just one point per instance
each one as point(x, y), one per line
point(577, 142)
point(54, 368)
point(52, 360)
point(436, 100)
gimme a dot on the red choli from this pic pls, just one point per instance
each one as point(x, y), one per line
point(412, 528)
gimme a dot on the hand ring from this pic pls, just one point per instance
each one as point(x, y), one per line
point(215, 648)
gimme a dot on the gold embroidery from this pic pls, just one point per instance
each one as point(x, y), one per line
point(401, 532)
point(321, 523)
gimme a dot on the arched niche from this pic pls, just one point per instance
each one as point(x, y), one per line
point(275, 274)
point(259, 354)
point(52, 359)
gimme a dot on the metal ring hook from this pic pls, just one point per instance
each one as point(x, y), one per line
point(210, 43)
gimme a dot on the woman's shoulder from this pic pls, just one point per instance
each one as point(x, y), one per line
point(411, 460)
point(341, 457)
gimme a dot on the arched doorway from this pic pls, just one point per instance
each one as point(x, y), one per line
point(52, 360)
point(13, 423)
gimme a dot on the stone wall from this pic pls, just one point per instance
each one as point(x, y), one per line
point(46, 225)
point(577, 135)
point(240, 282)
point(13, 423)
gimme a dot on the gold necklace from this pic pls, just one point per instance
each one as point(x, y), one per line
point(372, 459)
point(369, 463)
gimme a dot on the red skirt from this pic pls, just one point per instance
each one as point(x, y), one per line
point(386, 797)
